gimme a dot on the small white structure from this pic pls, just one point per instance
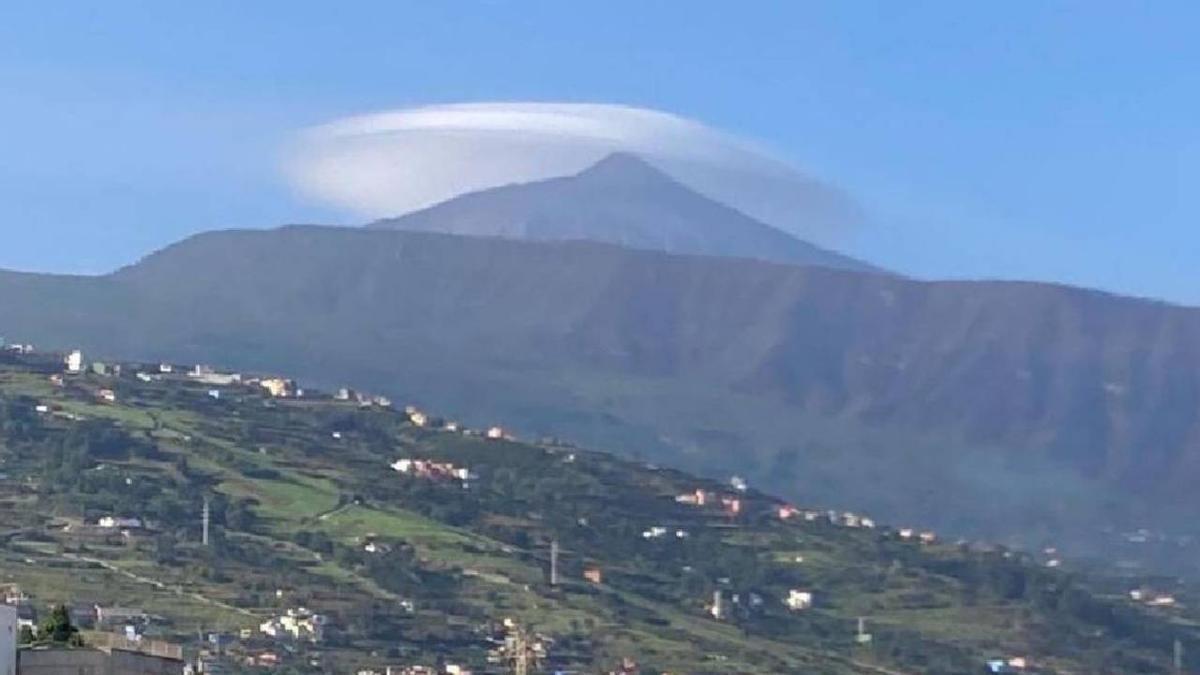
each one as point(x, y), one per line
point(654, 532)
point(738, 483)
point(298, 624)
point(495, 433)
point(108, 395)
point(115, 522)
point(798, 600)
point(74, 362)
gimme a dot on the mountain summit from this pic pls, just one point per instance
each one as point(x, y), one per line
point(622, 199)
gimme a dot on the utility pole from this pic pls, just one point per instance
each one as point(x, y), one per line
point(205, 520)
point(554, 563)
point(863, 637)
point(1178, 657)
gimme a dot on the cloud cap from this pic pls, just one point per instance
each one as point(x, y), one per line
point(394, 162)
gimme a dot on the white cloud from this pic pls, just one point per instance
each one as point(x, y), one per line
point(390, 163)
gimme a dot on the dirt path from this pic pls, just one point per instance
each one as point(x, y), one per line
point(158, 584)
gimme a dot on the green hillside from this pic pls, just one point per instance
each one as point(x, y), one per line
point(306, 511)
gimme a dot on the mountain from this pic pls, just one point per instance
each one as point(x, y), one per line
point(620, 200)
point(417, 543)
point(1040, 414)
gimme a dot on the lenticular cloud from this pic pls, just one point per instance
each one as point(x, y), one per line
point(390, 163)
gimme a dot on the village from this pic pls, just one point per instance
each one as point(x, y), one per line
point(278, 639)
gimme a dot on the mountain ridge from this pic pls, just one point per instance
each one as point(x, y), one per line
point(1035, 401)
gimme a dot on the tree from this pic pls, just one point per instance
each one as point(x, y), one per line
point(57, 629)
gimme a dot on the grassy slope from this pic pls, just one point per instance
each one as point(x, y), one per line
point(281, 458)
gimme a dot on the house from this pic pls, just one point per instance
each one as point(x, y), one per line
point(732, 505)
point(107, 395)
point(786, 512)
point(74, 362)
point(928, 537)
point(594, 575)
point(26, 616)
point(206, 375)
point(1161, 601)
point(115, 522)
point(654, 532)
point(739, 483)
point(496, 433)
point(83, 614)
point(696, 498)
point(418, 418)
point(277, 387)
point(798, 600)
point(297, 624)
point(166, 368)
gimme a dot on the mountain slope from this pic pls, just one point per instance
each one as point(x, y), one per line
point(1029, 411)
point(621, 200)
point(414, 566)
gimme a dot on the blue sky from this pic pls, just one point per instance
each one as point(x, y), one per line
point(1041, 140)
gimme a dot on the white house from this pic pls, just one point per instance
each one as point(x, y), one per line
point(74, 362)
point(798, 600)
point(115, 522)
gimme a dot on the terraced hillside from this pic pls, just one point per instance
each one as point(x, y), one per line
point(422, 562)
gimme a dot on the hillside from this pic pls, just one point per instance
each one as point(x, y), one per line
point(421, 564)
point(620, 200)
point(1038, 414)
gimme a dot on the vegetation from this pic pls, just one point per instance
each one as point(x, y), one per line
point(305, 512)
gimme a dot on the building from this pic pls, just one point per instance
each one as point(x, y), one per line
point(117, 522)
point(798, 600)
point(120, 616)
point(9, 633)
point(277, 387)
point(298, 624)
point(594, 575)
point(74, 362)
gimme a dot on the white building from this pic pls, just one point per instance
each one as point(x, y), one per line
point(798, 600)
point(74, 362)
point(114, 522)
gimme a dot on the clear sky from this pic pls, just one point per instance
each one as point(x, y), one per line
point(1041, 140)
